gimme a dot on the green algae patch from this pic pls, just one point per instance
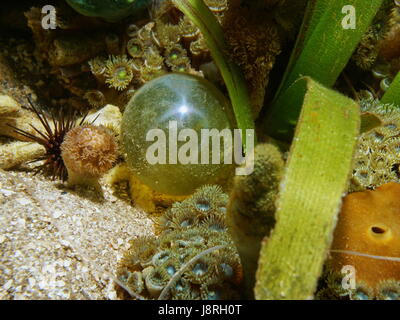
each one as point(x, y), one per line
point(315, 178)
point(204, 19)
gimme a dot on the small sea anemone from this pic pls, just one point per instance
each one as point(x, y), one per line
point(160, 257)
point(152, 59)
point(188, 29)
point(183, 219)
point(95, 98)
point(184, 66)
point(155, 279)
point(206, 202)
point(145, 33)
point(215, 223)
point(167, 34)
point(132, 30)
point(148, 74)
point(361, 292)
point(199, 48)
point(141, 251)
point(209, 199)
point(388, 290)
point(135, 281)
point(171, 265)
point(135, 48)
point(88, 151)
point(217, 5)
point(98, 65)
point(175, 55)
point(119, 72)
point(200, 272)
point(369, 223)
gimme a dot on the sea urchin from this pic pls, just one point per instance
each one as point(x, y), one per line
point(51, 138)
point(77, 150)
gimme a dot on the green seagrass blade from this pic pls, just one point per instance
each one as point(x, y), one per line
point(315, 179)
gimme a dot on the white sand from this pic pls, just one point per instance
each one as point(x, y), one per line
point(57, 243)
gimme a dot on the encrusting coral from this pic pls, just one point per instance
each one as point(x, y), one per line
point(376, 160)
point(369, 223)
point(251, 209)
point(187, 230)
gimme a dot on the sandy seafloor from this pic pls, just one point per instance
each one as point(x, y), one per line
point(57, 243)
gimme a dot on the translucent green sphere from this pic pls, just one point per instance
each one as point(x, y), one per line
point(160, 150)
point(110, 10)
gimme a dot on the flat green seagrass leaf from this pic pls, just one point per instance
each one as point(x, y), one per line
point(316, 177)
point(323, 48)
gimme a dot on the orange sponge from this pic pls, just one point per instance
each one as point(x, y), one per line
point(369, 222)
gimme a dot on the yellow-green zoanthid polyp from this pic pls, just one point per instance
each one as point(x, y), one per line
point(164, 137)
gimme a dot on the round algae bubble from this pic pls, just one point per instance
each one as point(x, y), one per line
point(164, 136)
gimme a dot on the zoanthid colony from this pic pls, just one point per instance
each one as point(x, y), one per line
point(376, 160)
point(186, 230)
